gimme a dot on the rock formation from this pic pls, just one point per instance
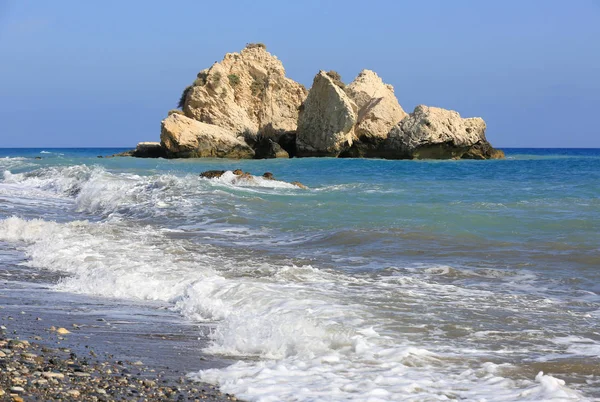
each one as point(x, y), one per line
point(241, 177)
point(266, 148)
point(182, 137)
point(244, 106)
point(378, 108)
point(326, 120)
point(148, 150)
point(435, 133)
point(246, 93)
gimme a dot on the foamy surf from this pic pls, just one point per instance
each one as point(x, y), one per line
point(304, 325)
point(388, 281)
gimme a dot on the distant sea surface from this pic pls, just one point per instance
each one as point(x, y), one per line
point(385, 280)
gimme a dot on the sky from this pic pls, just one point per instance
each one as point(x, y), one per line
point(101, 74)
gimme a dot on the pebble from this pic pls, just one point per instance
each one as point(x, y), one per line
point(62, 331)
point(45, 373)
point(49, 374)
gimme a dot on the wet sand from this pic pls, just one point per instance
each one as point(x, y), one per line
point(114, 349)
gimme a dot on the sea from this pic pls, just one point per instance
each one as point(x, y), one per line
point(384, 280)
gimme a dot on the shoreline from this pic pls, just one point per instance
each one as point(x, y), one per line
point(114, 349)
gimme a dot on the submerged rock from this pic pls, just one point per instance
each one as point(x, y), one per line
point(298, 184)
point(212, 174)
point(243, 178)
point(182, 137)
point(326, 120)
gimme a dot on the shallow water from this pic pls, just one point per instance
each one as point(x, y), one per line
point(385, 280)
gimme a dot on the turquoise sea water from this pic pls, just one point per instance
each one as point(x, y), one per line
point(385, 280)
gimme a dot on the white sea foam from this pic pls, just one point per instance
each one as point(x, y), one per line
point(12, 163)
point(230, 179)
point(313, 339)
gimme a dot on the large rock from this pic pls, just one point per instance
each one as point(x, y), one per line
point(182, 137)
point(266, 148)
point(246, 93)
point(435, 133)
point(378, 108)
point(148, 150)
point(326, 120)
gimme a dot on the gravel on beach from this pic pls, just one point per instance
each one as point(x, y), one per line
point(34, 371)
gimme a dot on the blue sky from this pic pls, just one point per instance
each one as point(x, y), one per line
point(80, 74)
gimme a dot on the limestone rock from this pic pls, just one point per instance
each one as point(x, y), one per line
point(182, 137)
point(266, 148)
point(483, 150)
point(148, 150)
point(326, 120)
point(246, 93)
point(435, 133)
point(378, 108)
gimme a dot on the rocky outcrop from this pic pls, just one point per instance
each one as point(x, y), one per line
point(326, 120)
point(246, 93)
point(148, 150)
point(182, 137)
point(378, 108)
point(247, 107)
point(241, 177)
point(266, 148)
point(435, 133)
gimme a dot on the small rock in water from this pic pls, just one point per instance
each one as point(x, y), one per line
point(298, 184)
point(62, 331)
point(268, 176)
point(138, 363)
point(212, 174)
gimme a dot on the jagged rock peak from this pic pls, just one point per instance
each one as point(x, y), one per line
point(378, 108)
point(247, 93)
point(326, 121)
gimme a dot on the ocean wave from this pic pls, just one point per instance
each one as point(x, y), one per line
point(330, 334)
